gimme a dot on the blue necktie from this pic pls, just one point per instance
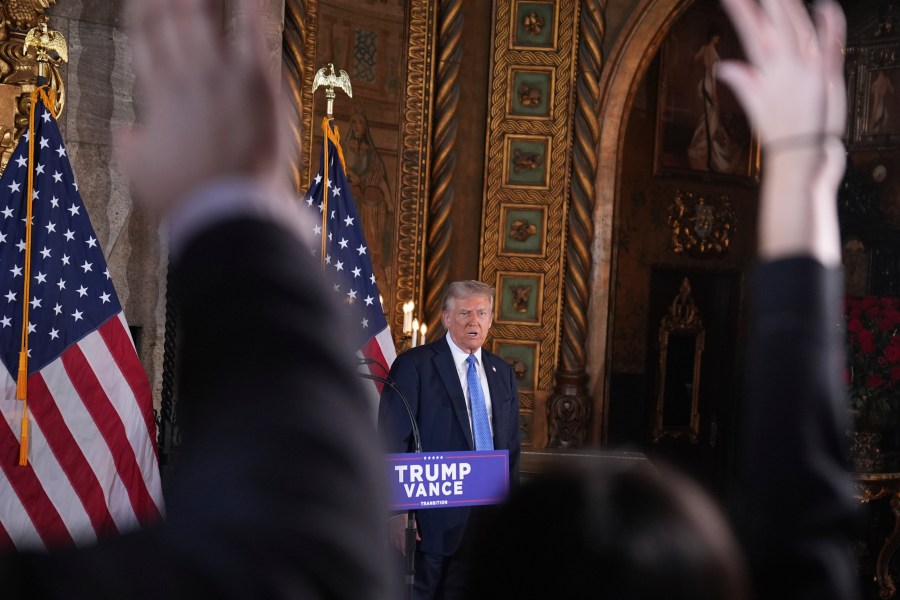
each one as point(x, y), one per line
point(481, 426)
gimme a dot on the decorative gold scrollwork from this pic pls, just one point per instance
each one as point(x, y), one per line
point(683, 314)
point(700, 228)
point(18, 69)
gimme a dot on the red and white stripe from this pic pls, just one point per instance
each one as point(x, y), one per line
point(379, 348)
point(92, 465)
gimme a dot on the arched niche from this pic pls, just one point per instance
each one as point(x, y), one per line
point(626, 64)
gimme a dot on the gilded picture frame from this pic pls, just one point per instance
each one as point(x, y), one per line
point(682, 339)
point(701, 130)
point(874, 87)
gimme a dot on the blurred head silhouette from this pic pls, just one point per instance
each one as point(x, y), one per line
point(639, 532)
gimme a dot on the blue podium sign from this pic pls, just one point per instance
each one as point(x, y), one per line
point(445, 479)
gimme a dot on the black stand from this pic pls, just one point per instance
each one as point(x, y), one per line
point(410, 539)
point(410, 547)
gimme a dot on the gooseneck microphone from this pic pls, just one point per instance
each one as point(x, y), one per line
point(410, 532)
point(417, 440)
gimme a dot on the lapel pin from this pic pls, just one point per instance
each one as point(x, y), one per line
point(494, 369)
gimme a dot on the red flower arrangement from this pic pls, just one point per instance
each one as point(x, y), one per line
point(873, 357)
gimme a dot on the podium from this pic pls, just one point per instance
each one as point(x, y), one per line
point(433, 480)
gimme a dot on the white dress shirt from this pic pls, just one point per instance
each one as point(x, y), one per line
point(462, 367)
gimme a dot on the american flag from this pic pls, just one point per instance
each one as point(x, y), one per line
point(92, 467)
point(348, 262)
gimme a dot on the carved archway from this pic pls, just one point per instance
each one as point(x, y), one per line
point(626, 64)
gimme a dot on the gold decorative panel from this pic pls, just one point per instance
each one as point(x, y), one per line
point(527, 183)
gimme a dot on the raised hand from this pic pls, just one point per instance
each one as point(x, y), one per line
point(210, 109)
point(792, 85)
point(792, 88)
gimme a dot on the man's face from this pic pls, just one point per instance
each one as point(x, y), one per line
point(468, 320)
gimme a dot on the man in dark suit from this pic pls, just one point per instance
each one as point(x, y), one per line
point(279, 493)
point(463, 398)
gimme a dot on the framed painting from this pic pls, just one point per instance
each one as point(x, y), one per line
point(874, 85)
point(701, 130)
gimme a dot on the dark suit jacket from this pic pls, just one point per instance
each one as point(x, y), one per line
point(280, 490)
point(429, 379)
point(796, 513)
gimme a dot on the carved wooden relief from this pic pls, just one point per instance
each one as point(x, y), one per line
point(18, 72)
point(527, 184)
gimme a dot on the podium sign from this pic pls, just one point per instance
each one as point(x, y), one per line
point(446, 479)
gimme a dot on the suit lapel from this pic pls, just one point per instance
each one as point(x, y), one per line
point(449, 372)
point(499, 395)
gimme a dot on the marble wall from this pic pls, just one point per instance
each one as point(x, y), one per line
point(102, 99)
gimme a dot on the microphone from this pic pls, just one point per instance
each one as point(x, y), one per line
point(371, 361)
point(417, 439)
point(364, 361)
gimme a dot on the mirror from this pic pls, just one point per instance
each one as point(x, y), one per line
point(681, 340)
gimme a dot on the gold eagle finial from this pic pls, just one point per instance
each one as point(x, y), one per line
point(329, 78)
point(44, 41)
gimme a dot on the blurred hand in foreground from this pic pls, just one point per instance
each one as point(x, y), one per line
point(210, 108)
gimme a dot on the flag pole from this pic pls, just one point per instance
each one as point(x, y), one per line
point(330, 80)
point(43, 40)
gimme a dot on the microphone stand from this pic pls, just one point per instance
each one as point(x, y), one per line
point(410, 541)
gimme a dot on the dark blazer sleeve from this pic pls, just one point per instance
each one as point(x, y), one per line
point(796, 510)
point(279, 492)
